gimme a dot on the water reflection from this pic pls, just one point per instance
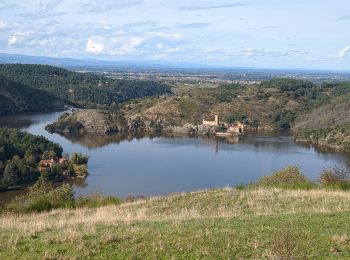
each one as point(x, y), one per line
point(151, 165)
point(93, 141)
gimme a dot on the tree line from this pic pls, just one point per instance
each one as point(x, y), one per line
point(76, 88)
point(20, 154)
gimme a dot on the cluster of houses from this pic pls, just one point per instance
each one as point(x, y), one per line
point(48, 164)
point(236, 128)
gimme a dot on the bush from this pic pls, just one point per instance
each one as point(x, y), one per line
point(289, 177)
point(337, 176)
point(80, 170)
point(42, 196)
point(79, 159)
point(288, 244)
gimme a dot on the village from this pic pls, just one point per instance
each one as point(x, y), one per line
point(63, 167)
point(231, 129)
point(48, 164)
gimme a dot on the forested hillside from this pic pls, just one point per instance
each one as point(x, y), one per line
point(81, 88)
point(275, 104)
point(328, 126)
point(20, 154)
point(18, 98)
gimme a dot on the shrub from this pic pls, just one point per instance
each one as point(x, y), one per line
point(289, 177)
point(79, 159)
point(337, 176)
point(241, 186)
point(43, 196)
point(288, 244)
point(80, 170)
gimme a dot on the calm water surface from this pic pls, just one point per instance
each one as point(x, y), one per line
point(160, 165)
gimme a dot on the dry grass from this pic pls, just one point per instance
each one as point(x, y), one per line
point(210, 224)
point(226, 203)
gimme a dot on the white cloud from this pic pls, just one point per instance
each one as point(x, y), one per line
point(344, 52)
point(94, 47)
point(18, 37)
point(107, 5)
point(168, 36)
point(105, 25)
point(173, 50)
point(209, 7)
point(113, 45)
point(136, 41)
point(12, 40)
point(125, 45)
point(261, 51)
point(44, 10)
point(176, 36)
point(3, 24)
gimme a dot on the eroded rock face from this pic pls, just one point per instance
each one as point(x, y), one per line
point(191, 129)
point(92, 121)
point(95, 121)
point(84, 121)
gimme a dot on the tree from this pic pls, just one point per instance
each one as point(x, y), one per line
point(25, 171)
point(231, 119)
point(51, 155)
point(2, 168)
point(19, 156)
point(12, 175)
point(80, 170)
point(55, 171)
point(45, 155)
point(79, 159)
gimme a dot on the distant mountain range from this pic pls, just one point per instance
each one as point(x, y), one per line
point(93, 64)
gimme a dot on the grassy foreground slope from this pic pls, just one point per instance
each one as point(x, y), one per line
point(216, 224)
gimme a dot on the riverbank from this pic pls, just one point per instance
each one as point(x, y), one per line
point(103, 122)
point(222, 223)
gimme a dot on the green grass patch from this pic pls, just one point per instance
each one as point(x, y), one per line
point(255, 237)
point(96, 200)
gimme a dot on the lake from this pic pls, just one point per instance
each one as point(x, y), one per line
point(155, 166)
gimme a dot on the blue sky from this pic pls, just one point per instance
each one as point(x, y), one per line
point(247, 33)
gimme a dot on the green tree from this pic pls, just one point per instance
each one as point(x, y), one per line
point(79, 159)
point(12, 175)
point(2, 168)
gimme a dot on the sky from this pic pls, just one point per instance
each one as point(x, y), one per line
point(311, 34)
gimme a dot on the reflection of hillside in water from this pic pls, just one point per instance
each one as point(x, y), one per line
point(77, 182)
point(260, 142)
point(322, 149)
point(18, 122)
point(92, 141)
